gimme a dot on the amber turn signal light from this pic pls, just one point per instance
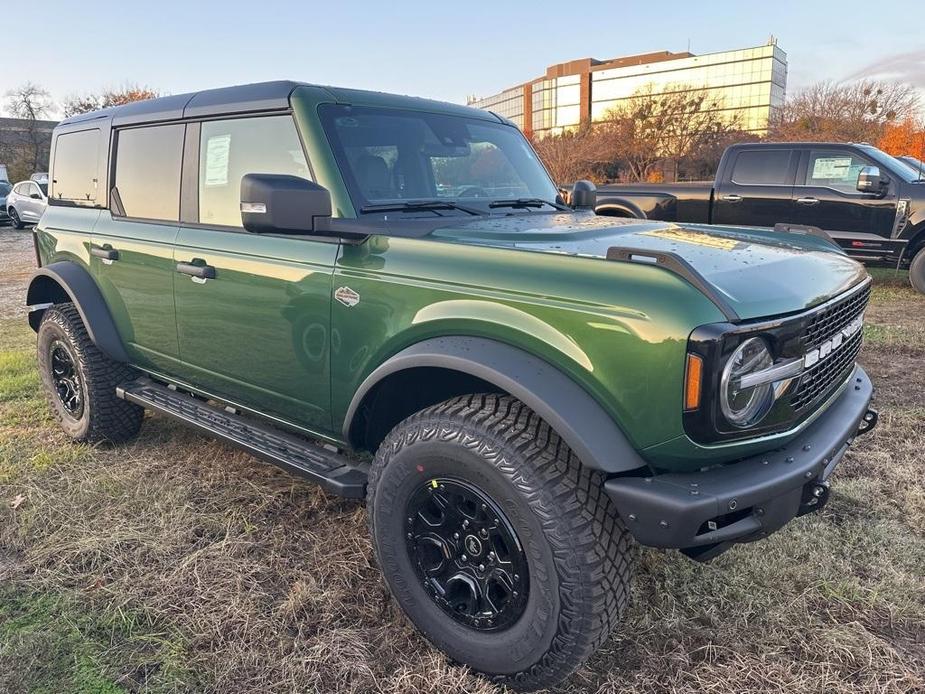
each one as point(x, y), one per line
point(693, 382)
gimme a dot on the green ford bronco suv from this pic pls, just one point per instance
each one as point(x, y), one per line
point(311, 273)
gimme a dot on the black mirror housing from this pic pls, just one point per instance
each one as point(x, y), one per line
point(282, 204)
point(584, 195)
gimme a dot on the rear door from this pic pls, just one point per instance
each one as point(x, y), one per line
point(826, 196)
point(132, 243)
point(756, 187)
point(32, 204)
point(257, 333)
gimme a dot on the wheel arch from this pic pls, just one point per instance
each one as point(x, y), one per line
point(456, 365)
point(616, 207)
point(66, 281)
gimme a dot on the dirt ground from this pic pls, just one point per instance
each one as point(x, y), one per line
point(176, 564)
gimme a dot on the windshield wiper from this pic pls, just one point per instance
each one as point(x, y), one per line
point(419, 206)
point(523, 203)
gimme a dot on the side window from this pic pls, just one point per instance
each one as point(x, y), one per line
point(148, 162)
point(834, 169)
point(21, 189)
point(229, 149)
point(32, 189)
point(759, 167)
point(76, 166)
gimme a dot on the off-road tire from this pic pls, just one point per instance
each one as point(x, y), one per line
point(15, 219)
point(917, 271)
point(104, 416)
point(578, 550)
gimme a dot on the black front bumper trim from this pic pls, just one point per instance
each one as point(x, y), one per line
point(704, 512)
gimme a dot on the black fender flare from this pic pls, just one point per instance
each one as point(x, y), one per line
point(605, 206)
point(569, 409)
point(83, 291)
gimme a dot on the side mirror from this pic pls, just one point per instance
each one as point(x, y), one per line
point(36, 196)
point(275, 203)
point(870, 180)
point(584, 195)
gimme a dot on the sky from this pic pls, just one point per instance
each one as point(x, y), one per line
point(441, 50)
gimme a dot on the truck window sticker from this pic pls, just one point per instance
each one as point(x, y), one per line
point(218, 154)
point(828, 168)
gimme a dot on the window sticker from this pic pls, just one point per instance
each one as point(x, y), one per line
point(218, 151)
point(832, 167)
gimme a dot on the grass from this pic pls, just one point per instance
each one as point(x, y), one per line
point(176, 564)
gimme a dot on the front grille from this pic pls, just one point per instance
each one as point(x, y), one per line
point(830, 371)
point(828, 321)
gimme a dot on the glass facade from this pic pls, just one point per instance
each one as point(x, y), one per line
point(509, 104)
point(746, 85)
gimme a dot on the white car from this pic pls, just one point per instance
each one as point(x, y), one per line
point(26, 203)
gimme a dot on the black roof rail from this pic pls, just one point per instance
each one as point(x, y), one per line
point(672, 262)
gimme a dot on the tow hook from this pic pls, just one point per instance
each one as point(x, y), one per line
point(868, 421)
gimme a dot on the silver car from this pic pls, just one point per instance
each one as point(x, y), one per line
point(26, 203)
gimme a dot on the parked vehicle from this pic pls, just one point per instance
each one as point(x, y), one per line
point(917, 164)
point(26, 203)
point(41, 178)
point(870, 203)
point(308, 272)
point(4, 191)
point(4, 175)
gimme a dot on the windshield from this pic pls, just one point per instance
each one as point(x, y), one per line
point(892, 164)
point(392, 155)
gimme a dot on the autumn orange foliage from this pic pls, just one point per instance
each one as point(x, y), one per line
point(904, 137)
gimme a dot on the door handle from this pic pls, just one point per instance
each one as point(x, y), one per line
point(732, 197)
point(197, 271)
point(807, 201)
point(105, 253)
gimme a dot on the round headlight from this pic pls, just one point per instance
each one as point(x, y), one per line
point(744, 407)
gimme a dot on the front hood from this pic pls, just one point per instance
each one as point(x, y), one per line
point(760, 273)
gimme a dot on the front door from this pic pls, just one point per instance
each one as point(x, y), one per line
point(255, 329)
point(757, 188)
point(826, 196)
point(131, 253)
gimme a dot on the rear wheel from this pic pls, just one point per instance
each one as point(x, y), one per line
point(496, 542)
point(15, 220)
point(917, 271)
point(80, 381)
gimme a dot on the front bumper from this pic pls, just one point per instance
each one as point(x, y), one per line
point(703, 513)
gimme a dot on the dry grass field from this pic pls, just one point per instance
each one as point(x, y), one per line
point(176, 564)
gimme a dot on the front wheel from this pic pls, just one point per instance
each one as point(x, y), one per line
point(917, 271)
point(498, 544)
point(15, 219)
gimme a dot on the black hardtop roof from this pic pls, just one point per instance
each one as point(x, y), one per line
point(247, 98)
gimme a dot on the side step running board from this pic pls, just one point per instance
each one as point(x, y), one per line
point(334, 472)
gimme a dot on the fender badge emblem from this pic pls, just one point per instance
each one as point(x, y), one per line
point(347, 296)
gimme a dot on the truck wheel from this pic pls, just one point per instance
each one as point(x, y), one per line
point(80, 381)
point(917, 271)
point(497, 543)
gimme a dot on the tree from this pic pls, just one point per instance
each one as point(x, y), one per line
point(904, 137)
point(657, 126)
point(76, 104)
point(27, 149)
point(568, 156)
point(844, 112)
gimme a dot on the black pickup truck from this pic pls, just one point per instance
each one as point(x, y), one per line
point(871, 204)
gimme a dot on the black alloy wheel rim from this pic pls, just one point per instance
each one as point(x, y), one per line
point(14, 217)
point(66, 379)
point(467, 554)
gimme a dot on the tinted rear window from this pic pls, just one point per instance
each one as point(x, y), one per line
point(76, 166)
point(148, 164)
point(762, 167)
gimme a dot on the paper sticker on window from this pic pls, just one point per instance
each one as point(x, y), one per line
point(218, 149)
point(832, 167)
